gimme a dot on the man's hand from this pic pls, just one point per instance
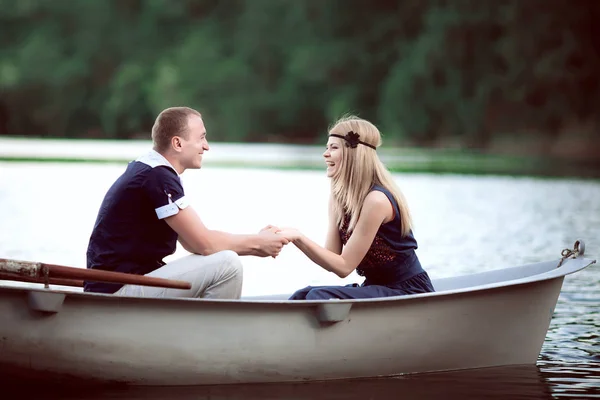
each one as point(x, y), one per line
point(271, 243)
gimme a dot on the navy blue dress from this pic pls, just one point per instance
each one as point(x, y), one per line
point(390, 267)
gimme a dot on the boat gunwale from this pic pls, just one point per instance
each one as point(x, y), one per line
point(569, 266)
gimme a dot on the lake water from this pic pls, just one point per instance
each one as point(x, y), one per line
point(463, 224)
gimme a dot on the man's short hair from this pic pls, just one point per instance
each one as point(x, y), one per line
point(171, 122)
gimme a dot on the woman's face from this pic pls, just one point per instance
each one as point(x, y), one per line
point(333, 156)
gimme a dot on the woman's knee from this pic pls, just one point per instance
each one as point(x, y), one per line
point(300, 294)
point(321, 294)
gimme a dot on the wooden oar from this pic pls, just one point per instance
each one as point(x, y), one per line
point(28, 271)
point(51, 281)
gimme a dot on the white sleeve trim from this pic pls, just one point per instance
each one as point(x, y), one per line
point(182, 203)
point(172, 208)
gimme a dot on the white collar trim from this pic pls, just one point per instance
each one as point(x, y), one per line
point(154, 159)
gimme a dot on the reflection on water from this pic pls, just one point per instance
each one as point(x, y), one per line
point(463, 224)
point(572, 380)
point(574, 333)
point(570, 356)
point(520, 382)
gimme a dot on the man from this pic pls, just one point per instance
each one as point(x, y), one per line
point(145, 212)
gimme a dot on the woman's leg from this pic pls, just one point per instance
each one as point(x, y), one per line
point(348, 292)
point(301, 293)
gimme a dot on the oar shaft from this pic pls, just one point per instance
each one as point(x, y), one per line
point(59, 271)
point(28, 271)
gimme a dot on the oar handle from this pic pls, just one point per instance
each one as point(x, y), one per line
point(41, 272)
point(51, 281)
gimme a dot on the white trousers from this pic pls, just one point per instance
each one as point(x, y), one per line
point(217, 276)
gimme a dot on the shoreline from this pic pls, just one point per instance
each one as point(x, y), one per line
point(299, 157)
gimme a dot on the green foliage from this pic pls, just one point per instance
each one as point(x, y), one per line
point(279, 70)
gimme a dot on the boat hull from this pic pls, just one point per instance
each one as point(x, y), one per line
point(173, 342)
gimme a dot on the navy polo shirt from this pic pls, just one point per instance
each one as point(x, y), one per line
point(130, 234)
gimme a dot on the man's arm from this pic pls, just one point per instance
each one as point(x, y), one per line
point(196, 238)
point(185, 244)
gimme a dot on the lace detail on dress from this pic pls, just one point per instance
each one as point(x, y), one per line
point(379, 253)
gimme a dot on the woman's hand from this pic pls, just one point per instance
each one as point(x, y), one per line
point(269, 228)
point(290, 234)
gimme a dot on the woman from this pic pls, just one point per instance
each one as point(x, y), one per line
point(369, 222)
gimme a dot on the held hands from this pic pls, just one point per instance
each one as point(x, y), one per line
point(270, 228)
point(276, 238)
point(271, 243)
point(291, 234)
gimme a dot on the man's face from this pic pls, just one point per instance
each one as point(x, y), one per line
point(195, 145)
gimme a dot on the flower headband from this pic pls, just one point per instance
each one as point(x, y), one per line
point(352, 139)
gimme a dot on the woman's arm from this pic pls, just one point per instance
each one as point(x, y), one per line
point(376, 209)
point(333, 242)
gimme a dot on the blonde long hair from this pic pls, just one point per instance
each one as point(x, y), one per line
point(361, 169)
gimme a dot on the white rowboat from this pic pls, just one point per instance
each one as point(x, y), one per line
point(487, 319)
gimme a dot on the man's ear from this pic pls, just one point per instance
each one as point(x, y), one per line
point(176, 143)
